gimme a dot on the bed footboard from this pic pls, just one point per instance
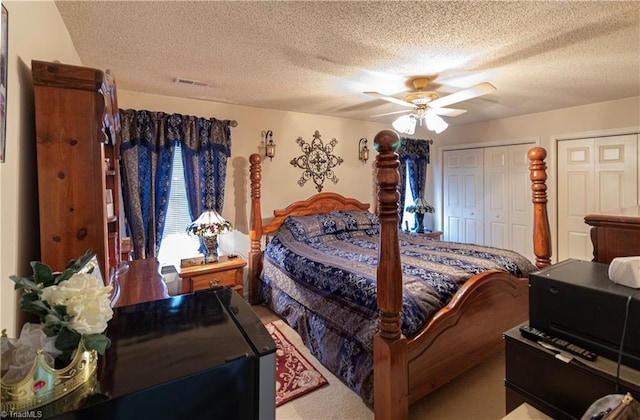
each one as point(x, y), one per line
point(467, 331)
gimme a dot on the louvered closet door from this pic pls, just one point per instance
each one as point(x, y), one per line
point(463, 195)
point(594, 175)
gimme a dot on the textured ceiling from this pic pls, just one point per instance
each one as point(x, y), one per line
point(319, 57)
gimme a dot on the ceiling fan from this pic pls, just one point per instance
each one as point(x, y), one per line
point(427, 105)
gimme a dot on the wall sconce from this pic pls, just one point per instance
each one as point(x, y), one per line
point(363, 150)
point(269, 145)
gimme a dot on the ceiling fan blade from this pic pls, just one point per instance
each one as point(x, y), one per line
point(448, 112)
point(404, 111)
point(391, 99)
point(464, 95)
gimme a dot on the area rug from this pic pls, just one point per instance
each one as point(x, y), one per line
point(295, 375)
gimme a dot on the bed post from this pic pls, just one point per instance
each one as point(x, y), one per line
point(541, 230)
point(255, 230)
point(389, 345)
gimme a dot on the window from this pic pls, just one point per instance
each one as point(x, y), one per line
point(408, 219)
point(176, 243)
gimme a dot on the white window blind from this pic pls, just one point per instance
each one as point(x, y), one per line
point(176, 243)
point(408, 219)
point(178, 211)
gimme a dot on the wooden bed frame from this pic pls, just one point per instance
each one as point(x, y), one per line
point(462, 334)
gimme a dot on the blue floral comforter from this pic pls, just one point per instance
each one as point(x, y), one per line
point(319, 274)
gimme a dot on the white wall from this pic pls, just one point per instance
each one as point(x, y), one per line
point(279, 177)
point(36, 32)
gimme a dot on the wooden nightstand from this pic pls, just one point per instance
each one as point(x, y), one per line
point(431, 234)
point(226, 272)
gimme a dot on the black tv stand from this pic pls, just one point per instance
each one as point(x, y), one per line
point(559, 389)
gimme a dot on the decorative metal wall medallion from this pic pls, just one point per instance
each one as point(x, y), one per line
point(317, 161)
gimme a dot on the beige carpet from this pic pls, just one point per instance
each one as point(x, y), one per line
point(477, 395)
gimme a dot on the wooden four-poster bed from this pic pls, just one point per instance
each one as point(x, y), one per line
point(464, 331)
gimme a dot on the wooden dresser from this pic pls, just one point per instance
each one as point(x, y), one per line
point(615, 233)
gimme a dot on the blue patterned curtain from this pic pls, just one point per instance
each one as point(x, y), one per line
point(207, 145)
point(414, 158)
point(147, 147)
point(146, 150)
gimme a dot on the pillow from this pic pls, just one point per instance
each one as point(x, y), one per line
point(359, 220)
point(314, 225)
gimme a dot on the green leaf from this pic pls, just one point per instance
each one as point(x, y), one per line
point(30, 302)
point(51, 330)
point(40, 305)
point(97, 342)
point(52, 319)
point(67, 339)
point(42, 273)
point(65, 275)
point(61, 310)
point(28, 297)
point(25, 283)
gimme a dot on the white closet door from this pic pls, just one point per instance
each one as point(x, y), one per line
point(463, 195)
point(616, 166)
point(507, 198)
point(496, 196)
point(594, 175)
point(453, 196)
point(520, 206)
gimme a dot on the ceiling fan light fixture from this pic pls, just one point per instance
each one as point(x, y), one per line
point(435, 123)
point(405, 124)
point(428, 106)
point(422, 101)
point(420, 98)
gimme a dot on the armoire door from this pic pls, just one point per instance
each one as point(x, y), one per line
point(594, 175)
point(463, 196)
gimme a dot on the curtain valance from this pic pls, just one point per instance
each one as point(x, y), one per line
point(415, 149)
point(156, 130)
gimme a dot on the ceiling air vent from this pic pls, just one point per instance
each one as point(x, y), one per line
point(182, 81)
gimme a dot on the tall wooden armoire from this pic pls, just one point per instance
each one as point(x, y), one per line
point(78, 137)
